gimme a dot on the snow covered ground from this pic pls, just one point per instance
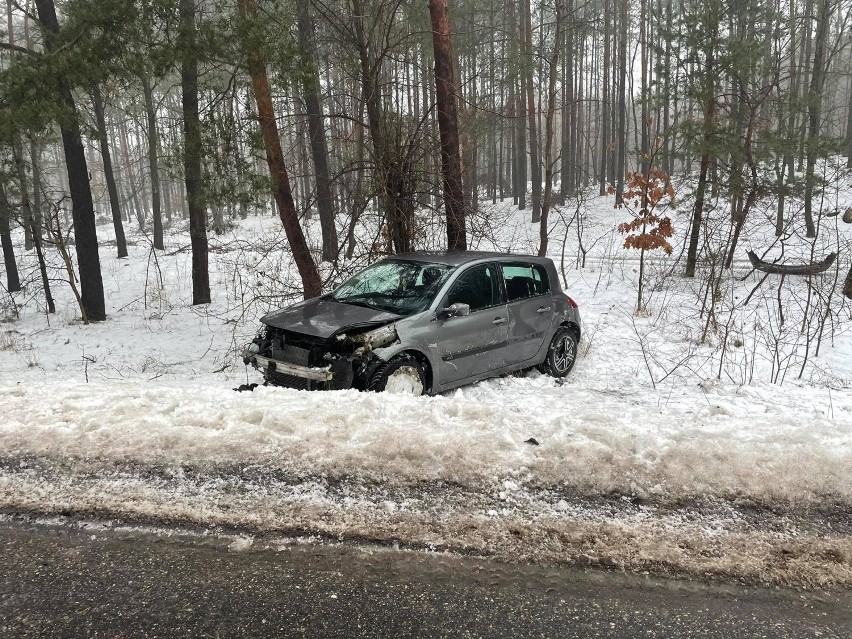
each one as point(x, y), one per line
point(677, 444)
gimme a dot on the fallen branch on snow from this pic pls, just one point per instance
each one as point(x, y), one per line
point(791, 269)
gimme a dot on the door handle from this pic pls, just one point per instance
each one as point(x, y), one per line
point(543, 309)
point(499, 320)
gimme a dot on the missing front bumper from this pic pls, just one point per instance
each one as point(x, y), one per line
point(269, 366)
point(338, 375)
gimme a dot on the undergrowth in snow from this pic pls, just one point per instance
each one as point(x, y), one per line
point(728, 388)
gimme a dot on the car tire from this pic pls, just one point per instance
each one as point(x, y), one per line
point(402, 375)
point(561, 353)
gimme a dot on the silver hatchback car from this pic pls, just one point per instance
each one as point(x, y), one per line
point(423, 322)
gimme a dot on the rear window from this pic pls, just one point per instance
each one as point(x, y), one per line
point(525, 280)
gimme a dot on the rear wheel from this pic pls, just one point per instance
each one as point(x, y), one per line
point(561, 354)
point(402, 375)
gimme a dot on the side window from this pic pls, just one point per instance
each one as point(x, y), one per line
point(477, 287)
point(540, 277)
point(525, 280)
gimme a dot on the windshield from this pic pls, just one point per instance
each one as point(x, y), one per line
point(396, 286)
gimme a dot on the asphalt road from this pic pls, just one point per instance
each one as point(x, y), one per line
point(78, 581)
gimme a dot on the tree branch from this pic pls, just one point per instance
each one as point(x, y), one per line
point(17, 49)
point(791, 269)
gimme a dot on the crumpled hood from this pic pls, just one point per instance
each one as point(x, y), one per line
point(323, 317)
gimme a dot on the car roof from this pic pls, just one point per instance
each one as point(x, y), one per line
point(457, 258)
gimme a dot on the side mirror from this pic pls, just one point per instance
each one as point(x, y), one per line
point(459, 309)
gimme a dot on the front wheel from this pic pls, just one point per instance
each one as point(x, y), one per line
point(402, 375)
point(561, 354)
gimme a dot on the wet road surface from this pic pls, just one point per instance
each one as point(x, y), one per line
point(96, 581)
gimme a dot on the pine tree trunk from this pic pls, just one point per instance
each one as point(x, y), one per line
point(569, 122)
point(26, 209)
point(578, 146)
point(668, 138)
point(121, 183)
point(130, 181)
point(472, 139)
point(492, 123)
point(849, 130)
point(548, 137)
point(192, 155)
point(520, 125)
point(605, 99)
point(535, 161)
point(311, 281)
point(82, 206)
point(814, 110)
point(620, 163)
point(153, 161)
point(297, 141)
point(359, 200)
point(316, 130)
point(512, 66)
point(35, 163)
point(234, 109)
point(803, 72)
point(18, 158)
point(701, 187)
point(168, 200)
point(42, 267)
point(643, 96)
point(112, 189)
point(792, 94)
point(387, 171)
point(13, 281)
point(448, 126)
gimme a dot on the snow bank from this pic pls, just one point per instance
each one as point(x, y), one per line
point(754, 443)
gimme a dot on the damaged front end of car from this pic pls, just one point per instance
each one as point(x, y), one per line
point(291, 359)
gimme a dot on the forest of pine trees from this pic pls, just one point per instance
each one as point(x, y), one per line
point(148, 112)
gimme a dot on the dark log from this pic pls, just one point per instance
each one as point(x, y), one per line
point(791, 269)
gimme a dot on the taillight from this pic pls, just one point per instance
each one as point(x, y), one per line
point(571, 302)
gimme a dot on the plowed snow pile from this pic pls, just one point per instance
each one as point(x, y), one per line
point(750, 443)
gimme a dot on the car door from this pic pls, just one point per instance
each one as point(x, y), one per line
point(473, 344)
point(530, 309)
